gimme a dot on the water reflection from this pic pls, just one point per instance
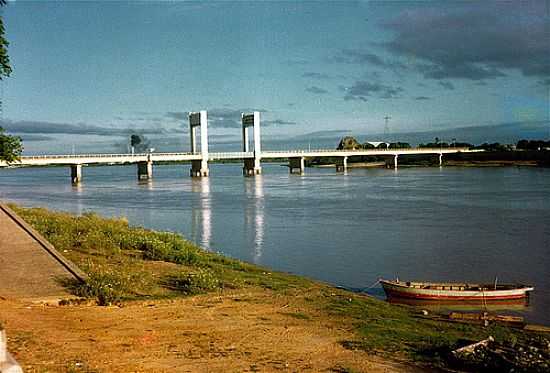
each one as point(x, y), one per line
point(78, 192)
point(254, 214)
point(201, 212)
point(147, 184)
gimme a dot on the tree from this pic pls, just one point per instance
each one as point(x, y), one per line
point(5, 68)
point(10, 147)
point(533, 144)
point(139, 143)
point(399, 145)
point(348, 143)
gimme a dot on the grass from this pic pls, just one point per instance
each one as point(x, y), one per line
point(125, 263)
point(391, 329)
point(298, 315)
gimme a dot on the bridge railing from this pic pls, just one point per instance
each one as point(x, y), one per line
point(235, 155)
point(173, 154)
point(100, 155)
point(231, 155)
point(73, 156)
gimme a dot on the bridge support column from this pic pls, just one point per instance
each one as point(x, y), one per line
point(199, 168)
point(343, 167)
point(252, 166)
point(296, 163)
point(145, 170)
point(76, 173)
point(392, 162)
point(440, 159)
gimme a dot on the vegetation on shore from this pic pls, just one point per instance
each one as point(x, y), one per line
point(525, 152)
point(125, 263)
point(10, 147)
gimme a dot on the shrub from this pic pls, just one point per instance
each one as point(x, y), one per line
point(197, 282)
point(107, 285)
point(92, 234)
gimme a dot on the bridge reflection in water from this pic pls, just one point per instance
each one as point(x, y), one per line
point(202, 212)
point(254, 214)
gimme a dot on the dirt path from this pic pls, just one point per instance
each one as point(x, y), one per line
point(234, 332)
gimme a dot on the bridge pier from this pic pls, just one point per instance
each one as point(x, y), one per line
point(440, 159)
point(76, 173)
point(343, 167)
point(145, 170)
point(252, 166)
point(296, 163)
point(199, 168)
point(392, 162)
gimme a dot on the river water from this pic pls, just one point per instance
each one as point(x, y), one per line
point(447, 224)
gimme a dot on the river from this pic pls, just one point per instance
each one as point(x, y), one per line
point(448, 224)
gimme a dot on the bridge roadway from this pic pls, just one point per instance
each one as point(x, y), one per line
point(295, 157)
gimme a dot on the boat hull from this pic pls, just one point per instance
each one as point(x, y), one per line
point(399, 290)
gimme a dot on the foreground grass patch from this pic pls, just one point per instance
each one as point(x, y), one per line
point(125, 262)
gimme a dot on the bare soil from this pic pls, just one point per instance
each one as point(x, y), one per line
point(234, 331)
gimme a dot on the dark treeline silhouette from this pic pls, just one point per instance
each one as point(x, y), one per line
point(350, 143)
point(533, 145)
point(494, 147)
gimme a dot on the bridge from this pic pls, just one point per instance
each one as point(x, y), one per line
point(199, 158)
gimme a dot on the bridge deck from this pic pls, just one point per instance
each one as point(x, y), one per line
point(44, 160)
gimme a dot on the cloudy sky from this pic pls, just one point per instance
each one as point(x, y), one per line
point(92, 73)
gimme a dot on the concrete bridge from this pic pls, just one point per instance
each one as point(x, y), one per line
point(200, 156)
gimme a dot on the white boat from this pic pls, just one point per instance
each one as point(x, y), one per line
point(454, 291)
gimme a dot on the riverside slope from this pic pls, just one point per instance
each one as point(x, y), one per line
point(30, 268)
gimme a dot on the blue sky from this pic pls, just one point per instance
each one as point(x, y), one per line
point(89, 73)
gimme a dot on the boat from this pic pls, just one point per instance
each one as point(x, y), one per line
point(447, 291)
point(438, 305)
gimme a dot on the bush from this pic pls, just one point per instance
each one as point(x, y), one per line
point(108, 286)
point(92, 234)
point(197, 282)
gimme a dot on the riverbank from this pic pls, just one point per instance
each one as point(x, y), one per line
point(171, 304)
point(477, 159)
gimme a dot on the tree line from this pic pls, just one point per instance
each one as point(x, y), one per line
point(350, 143)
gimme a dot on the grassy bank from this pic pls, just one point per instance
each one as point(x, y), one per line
point(127, 263)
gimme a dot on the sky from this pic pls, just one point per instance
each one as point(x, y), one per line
point(88, 74)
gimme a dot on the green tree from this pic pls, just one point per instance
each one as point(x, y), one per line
point(10, 147)
point(399, 145)
point(348, 143)
point(5, 68)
